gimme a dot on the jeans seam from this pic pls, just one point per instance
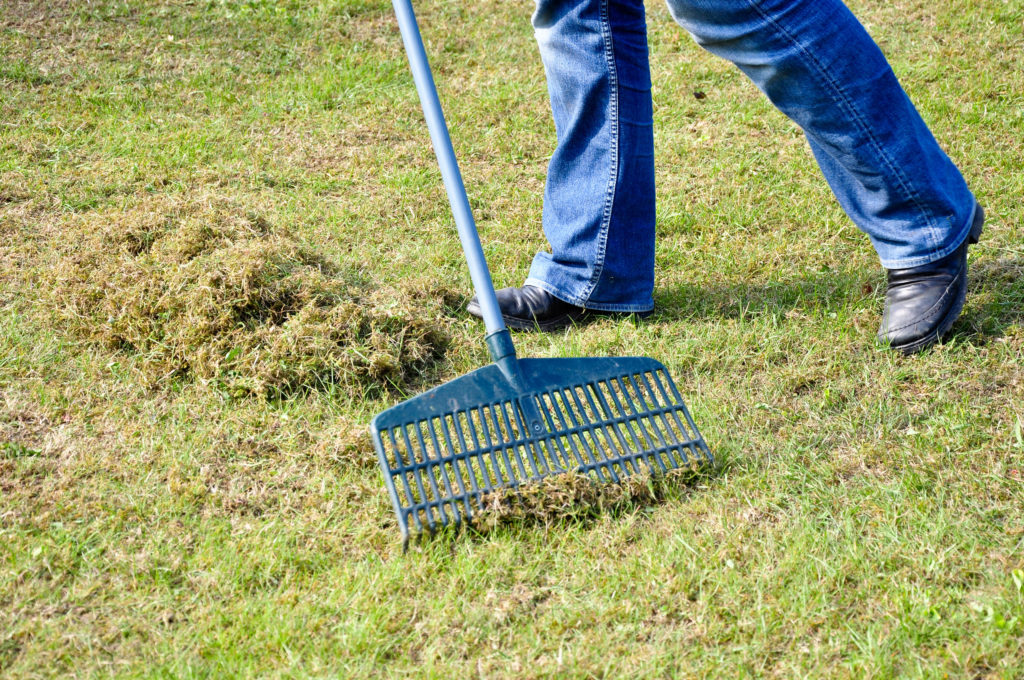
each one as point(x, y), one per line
point(855, 114)
point(613, 148)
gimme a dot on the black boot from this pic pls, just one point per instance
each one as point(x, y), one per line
point(922, 303)
point(531, 308)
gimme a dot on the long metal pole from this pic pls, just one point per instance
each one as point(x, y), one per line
point(474, 253)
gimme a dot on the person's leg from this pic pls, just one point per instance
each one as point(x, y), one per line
point(820, 67)
point(599, 198)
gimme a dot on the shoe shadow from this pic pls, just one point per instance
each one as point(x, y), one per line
point(821, 291)
point(995, 300)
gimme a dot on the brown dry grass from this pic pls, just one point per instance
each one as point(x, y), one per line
point(206, 290)
point(574, 496)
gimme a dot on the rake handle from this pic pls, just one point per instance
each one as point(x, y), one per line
point(453, 184)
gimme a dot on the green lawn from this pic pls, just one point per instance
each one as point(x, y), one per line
point(224, 246)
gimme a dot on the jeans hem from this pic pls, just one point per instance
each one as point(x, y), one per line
point(598, 307)
point(908, 262)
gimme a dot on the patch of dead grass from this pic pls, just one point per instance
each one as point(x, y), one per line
point(24, 13)
point(205, 290)
point(573, 496)
point(22, 430)
point(346, 443)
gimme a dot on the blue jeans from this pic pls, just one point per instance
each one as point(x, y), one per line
point(813, 60)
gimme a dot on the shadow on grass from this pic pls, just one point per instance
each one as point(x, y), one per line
point(995, 298)
point(822, 291)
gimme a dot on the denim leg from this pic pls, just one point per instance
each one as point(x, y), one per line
point(599, 199)
point(819, 66)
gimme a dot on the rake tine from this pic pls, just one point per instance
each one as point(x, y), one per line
point(618, 419)
point(558, 440)
point(610, 422)
point(523, 474)
point(634, 421)
point(534, 456)
point(485, 471)
point(441, 472)
point(463, 490)
point(600, 459)
point(418, 477)
point(466, 451)
point(651, 407)
point(580, 432)
point(604, 419)
point(430, 470)
point(400, 460)
point(692, 438)
point(640, 426)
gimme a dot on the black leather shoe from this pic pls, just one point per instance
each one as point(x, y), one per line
point(531, 308)
point(922, 303)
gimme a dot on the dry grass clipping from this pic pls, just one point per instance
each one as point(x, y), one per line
point(573, 496)
point(208, 291)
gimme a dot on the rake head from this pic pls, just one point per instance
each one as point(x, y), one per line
point(607, 417)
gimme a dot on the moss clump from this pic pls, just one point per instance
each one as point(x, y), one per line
point(206, 291)
point(573, 496)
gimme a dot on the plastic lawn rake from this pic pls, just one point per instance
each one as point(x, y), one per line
point(518, 420)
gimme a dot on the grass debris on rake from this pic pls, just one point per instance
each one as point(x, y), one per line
point(573, 496)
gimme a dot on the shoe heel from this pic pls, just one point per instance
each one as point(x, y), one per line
point(977, 225)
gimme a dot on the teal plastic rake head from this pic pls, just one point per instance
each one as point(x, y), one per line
point(518, 420)
point(606, 417)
